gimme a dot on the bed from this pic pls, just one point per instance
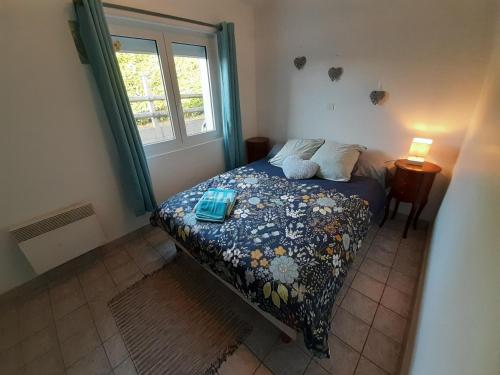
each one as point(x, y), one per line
point(287, 245)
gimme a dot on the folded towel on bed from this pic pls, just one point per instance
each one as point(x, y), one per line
point(215, 205)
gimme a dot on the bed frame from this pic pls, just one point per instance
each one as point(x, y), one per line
point(290, 333)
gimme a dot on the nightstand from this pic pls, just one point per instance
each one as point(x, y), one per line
point(411, 184)
point(257, 148)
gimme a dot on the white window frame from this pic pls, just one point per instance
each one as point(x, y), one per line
point(164, 35)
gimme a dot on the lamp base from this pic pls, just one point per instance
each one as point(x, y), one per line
point(415, 160)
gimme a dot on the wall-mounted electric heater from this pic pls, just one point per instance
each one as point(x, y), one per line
point(55, 238)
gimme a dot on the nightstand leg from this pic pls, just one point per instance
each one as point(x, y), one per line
point(408, 221)
point(419, 211)
point(387, 208)
point(395, 210)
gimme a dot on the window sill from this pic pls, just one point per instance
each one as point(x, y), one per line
point(182, 148)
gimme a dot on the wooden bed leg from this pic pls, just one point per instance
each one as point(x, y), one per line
point(285, 338)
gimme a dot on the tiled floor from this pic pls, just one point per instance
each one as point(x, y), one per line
point(60, 323)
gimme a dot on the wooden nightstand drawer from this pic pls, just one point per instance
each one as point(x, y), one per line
point(405, 185)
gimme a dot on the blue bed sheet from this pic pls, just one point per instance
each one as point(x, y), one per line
point(366, 187)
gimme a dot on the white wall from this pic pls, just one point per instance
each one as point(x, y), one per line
point(429, 55)
point(53, 148)
point(458, 327)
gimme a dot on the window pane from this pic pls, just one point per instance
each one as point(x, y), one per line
point(141, 71)
point(191, 66)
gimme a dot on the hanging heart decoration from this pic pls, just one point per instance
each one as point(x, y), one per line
point(299, 62)
point(335, 73)
point(377, 96)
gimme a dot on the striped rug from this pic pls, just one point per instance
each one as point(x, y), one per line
point(178, 321)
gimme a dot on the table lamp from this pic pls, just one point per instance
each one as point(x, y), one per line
point(418, 151)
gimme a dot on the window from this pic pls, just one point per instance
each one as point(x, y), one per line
point(191, 68)
point(142, 74)
point(171, 81)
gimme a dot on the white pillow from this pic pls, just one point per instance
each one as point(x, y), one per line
point(274, 150)
point(305, 148)
point(336, 160)
point(372, 164)
point(297, 168)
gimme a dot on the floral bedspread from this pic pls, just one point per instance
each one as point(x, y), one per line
point(287, 245)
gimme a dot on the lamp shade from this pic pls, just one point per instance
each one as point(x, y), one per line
point(418, 151)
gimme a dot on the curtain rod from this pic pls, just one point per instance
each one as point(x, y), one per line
point(156, 14)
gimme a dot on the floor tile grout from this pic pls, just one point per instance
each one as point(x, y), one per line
point(94, 324)
point(86, 264)
point(366, 339)
point(340, 307)
point(57, 335)
point(380, 303)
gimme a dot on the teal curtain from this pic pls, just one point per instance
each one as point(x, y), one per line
point(234, 153)
point(98, 46)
